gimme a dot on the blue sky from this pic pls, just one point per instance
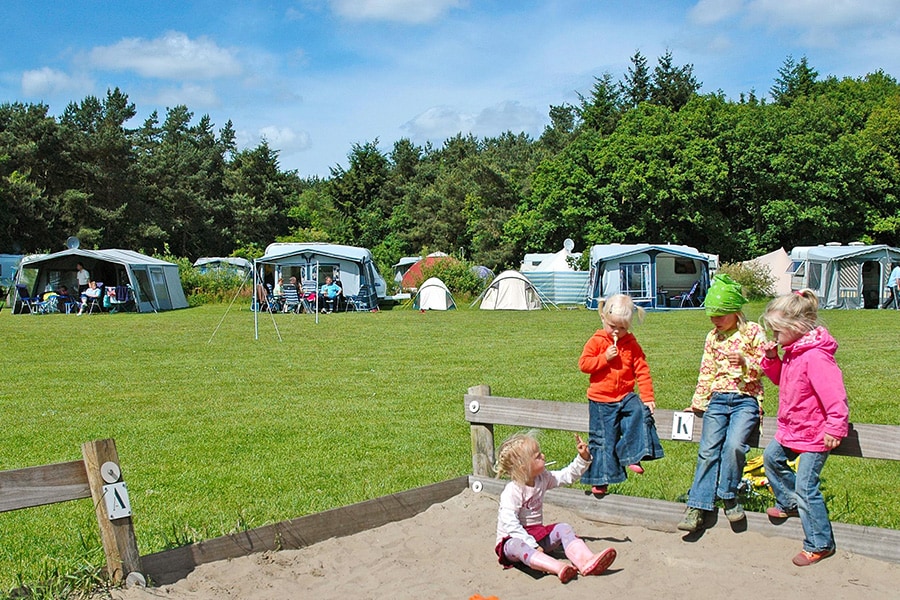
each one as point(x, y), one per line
point(314, 77)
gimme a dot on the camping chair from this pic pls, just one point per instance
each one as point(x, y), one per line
point(691, 297)
point(291, 299)
point(121, 299)
point(32, 303)
point(359, 302)
point(308, 292)
point(97, 302)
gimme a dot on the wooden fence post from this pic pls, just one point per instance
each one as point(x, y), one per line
point(117, 535)
point(482, 437)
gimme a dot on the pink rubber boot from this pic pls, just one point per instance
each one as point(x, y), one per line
point(540, 561)
point(587, 562)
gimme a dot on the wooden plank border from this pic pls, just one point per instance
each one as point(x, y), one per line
point(169, 566)
point(661, 515)
point(483, 411)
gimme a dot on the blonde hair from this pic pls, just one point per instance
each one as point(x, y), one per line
point(621, 309)
point(515, 454)
point(797, 312)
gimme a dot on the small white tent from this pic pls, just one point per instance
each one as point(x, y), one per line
point(433, 295)
point(510, 290)
point(778, 263)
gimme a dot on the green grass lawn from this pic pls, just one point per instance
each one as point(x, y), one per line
point(218, 433)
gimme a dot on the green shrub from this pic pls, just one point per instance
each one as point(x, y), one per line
point(757, 280)
point(457, 275)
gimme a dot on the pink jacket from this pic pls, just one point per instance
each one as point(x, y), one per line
point(812, 400)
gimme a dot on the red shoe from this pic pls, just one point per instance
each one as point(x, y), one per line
point(637, 469)
point(776, 512)
point(599, 490)
point(804, 559)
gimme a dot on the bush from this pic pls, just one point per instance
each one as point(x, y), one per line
point(756, 280)
point(211, 287)
point(457, 275)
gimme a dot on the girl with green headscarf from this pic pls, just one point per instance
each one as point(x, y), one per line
point(729, 397)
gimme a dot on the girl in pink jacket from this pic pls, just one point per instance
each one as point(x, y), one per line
point(812, 417)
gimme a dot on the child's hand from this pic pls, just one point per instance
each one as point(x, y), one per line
point(582, 448)
point(735, 359)
point(771, 349)
point(832, 442)
point(651, 406)
point(612, 352)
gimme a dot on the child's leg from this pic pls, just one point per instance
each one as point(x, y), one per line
point(518, 551)
point(604, 468)
point(715, 427)
point(637, 438)
point(743, 419)
point(818, 536)
point(577, 551)
point(781, 476)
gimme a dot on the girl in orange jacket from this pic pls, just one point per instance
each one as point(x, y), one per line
point(622, 430)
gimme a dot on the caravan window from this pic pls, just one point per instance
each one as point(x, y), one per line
point(796, 268)
point(685, 266)
point(635, 279)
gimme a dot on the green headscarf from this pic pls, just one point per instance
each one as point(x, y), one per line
point(724, 297)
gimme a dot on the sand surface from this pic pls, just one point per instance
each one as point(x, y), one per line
point(447, 552)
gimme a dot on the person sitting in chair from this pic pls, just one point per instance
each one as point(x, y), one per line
point(328, 295)
point(90, 294)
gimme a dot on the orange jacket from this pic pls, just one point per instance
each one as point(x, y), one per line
point(612, 380)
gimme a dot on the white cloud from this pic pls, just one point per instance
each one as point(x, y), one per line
point(284, 138)
point(192, 96)
point(437, 123)
point(440, 122)
point(404, 11)
point(710, 12)
point(46, 82)
point(835, 14)
point(172, 56)
point(839, 23)
point(508, 116)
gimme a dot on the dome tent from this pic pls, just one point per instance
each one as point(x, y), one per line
point(510, 290)
point(433, 295)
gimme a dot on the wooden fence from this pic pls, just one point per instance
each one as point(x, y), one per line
point(97, 476)
point(484, 411)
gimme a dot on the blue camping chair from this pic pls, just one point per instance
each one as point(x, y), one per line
point(32, 303)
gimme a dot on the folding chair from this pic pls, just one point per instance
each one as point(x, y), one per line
point(121, 299)
point(691, 297)
point(291, 299)
point(32, 303)
point(95, 303)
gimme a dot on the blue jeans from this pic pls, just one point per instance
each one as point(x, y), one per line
point(728, 422)
point(622, 433)
point(800, 490)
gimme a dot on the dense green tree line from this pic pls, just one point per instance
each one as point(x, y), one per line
point(642, 159)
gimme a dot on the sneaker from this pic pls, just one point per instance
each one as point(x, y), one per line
point(776, 512)
point(734, 512)
point(692, 521)
point(599, 490)
point(637, 469)
point(804, 559)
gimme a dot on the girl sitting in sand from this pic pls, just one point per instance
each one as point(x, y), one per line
point(522, 536)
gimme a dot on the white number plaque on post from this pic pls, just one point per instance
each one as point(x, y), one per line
point(683, 426)
point(117, 504)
